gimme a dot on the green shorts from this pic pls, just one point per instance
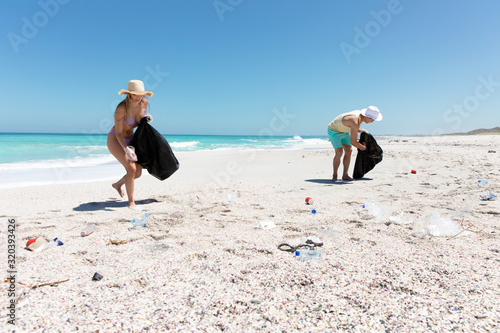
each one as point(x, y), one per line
point(338, 139)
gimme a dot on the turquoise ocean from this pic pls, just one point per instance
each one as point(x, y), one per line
point(36, 159)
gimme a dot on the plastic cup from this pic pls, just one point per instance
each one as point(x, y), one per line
point(133, 150)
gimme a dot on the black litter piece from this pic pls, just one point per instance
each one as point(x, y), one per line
point(97, 277)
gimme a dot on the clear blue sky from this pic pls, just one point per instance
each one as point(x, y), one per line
point(277, 67)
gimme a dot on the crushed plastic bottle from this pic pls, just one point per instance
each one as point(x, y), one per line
point(372, 211)
point(482, 182)
point(138, 223)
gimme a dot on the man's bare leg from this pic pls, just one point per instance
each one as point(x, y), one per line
point(336, 162)
point(346, 161)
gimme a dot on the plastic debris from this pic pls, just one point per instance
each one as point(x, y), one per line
point(231, 197)
point(266, 224)
point(397, 218)
point(374, 212)
point(38, 244)
point(88, 230)
point(139, 223)
point(488, 197)
point(97, 277)
point(435, 225)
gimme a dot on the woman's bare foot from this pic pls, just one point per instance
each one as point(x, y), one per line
point(346, 177)
point(118, 189)
point(134, 207)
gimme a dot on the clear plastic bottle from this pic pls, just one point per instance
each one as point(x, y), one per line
point(88, 230)
point(482, 182)
point(308, 254)
point(136, 223)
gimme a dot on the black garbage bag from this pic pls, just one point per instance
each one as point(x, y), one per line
point(153, 151)
point(367, 159)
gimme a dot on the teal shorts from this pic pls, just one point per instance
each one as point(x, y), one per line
point(338, 139)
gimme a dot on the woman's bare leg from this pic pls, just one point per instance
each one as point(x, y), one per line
point(133, 169)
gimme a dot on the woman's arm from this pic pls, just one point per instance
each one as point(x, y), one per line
point(150, 117)
point(119, 118)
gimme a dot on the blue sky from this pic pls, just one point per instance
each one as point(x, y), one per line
point(252, 67)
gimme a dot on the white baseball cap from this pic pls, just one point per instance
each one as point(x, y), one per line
point(372, 112)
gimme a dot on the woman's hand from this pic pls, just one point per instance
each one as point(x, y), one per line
point(130, 154)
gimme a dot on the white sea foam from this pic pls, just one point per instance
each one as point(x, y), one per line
point(188, 144)
point(59, 163)
point(52, 173)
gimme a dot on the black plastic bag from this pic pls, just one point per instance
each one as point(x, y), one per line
point(153, 151)
point(367, 159)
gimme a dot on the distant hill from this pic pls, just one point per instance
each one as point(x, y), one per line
point(480, 131)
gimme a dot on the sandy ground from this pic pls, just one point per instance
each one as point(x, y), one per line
point(202, 263)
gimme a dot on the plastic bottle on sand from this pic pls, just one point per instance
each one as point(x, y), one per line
point(308, 254)
point(88, 230)
point(482, 182)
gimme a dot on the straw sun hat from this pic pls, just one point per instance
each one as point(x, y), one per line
point(135, 87)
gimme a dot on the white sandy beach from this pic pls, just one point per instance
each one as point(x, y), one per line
point(201, 264)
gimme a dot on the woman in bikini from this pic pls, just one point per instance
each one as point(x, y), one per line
point(128, 114)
